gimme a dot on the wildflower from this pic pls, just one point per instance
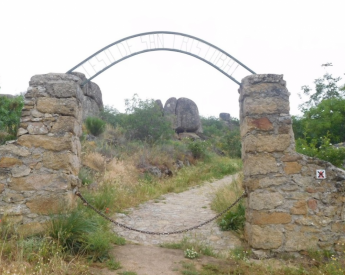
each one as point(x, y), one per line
point(107, 210)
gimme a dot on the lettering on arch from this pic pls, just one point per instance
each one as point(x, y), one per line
point(162, 41)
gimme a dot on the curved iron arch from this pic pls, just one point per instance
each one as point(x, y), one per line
point(112, 61)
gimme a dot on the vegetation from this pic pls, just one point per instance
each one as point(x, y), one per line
point(143, 120)
point(221, 137)
point(10, 112)
point(323, 121)
point(95, 125)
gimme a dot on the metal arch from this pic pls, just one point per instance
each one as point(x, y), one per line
point(161, 49)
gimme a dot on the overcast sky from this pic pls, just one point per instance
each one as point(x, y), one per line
point(292, 38)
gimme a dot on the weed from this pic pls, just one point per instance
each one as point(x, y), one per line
point(191, 247)
point(95, 125)
point(234, 219)
point(189, 269)
point(128, 273)
point(113, 265)
point(191, 253)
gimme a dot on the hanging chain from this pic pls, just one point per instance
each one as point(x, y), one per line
point(77, 193)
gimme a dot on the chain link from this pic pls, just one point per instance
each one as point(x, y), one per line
point(77, 193)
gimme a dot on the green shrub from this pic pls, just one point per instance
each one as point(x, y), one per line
point(145, 121)
point(10, 112)
point(232, 143)
point(235, 219)
point(322, 149)
point(198, 148)
point(95, 125)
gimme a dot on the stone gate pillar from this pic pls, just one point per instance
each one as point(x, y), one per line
point(288, 207)
point(39, 171)
point(266, 135)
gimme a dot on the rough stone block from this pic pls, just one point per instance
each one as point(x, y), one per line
point(259, 165)
point(312, 204)
point(64, 89)
point(338, 227)
point(31, 182)
point(265, 200)
point(49, 204)
point(67, 124)
point(292, 168)
point(6, 162)
point(299, 208)
point(65, 161)
point(263, 218)
point(20, 171)
point(265, 106)
point(62, 106)
point(14, 149)
point(34, 92)
point(42, 79)
point(297, 241)
point(265, 237)
point(2, 187)
point(249, 124)
point(13, 197)
point(49, 143)
point(267, 182)
point(37, 128)
point(266, 143)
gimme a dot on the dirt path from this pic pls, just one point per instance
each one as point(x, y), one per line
point(171, 212)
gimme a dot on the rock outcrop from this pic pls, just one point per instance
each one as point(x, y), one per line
point(92, 102)
point(184, 115)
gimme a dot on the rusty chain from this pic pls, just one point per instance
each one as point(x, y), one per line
point(77, 193)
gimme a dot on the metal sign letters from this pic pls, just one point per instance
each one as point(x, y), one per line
point(162, 41)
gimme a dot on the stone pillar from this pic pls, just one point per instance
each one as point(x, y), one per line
point(39, 171)
point(288, 208)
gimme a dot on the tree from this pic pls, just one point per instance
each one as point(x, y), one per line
point(145, 120)
point(323, 121)
point(325, 88)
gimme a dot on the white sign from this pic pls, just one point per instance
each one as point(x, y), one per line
point(320, 174)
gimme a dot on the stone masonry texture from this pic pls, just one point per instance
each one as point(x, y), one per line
point(39, 170)
point(288, 209)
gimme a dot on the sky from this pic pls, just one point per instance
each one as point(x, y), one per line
point(293, 38)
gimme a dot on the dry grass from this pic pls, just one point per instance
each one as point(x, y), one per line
point(95, 161)
point(227, 194)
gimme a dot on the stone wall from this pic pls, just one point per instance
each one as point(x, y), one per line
point(39, 170)
point(288, 208)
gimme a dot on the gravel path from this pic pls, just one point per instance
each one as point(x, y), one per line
point(176, 211)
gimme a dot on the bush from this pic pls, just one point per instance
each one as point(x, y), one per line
point(145, 121)
point(322, 149)
point(198, 148)
point(232, 144)
point(235, 219)
point(10, 112)
point(95, 125)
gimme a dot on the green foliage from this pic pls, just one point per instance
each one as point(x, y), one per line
point(327, 117)
point(232, 143)
point(322, 148)
point(198, 148)
point(222, 137)
point(95, 125)
point(112, 116)
point(83, 231)
point(145, 121)
point(325, 88)
point(323, 121)
point(234, 219)
point(113, 265)
point(10, 112)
